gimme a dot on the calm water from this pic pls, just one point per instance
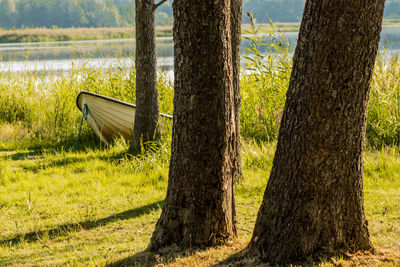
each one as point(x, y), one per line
point(62, 56)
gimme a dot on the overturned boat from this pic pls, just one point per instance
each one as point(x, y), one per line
point(108, 117)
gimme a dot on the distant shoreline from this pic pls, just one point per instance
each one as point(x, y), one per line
point(81, 34)
point(73, 34)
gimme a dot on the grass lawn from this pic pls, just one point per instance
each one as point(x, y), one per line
point(98, 207)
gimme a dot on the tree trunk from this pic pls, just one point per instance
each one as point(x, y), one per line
point(199, 207)
point(314, 199)
point(236, 33)
point(147, 109)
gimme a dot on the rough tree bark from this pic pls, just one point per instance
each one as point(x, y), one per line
point(314, 198)
point(199, 207)
point(147, 107)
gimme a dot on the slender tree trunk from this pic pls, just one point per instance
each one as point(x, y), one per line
point(314, 199)
point(199, 207)
point(236, 33)
point(147, 107)
point(236, 37)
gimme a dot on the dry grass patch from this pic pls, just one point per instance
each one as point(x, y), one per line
point(382, 257)
point(231, 254)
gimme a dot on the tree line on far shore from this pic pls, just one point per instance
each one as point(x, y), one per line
point(121, 13)
point(71, 13)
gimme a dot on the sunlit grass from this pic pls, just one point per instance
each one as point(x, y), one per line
point(382, 193)
point(98, 207)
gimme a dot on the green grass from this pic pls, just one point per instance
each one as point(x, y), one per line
point(382, 194)
point(84, 195)
point(40, 111)
point(99, 207)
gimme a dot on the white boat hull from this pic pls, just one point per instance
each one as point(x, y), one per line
point(108, 117)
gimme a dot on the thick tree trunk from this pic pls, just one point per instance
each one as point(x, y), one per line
point(147, 108)
point(199, 207)
point(314, 199)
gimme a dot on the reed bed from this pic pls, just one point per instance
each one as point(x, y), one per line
point(38, 109)
point(72, 34)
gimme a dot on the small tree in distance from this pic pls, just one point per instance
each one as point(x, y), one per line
point(147, 106)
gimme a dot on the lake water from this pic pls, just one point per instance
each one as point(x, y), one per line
point(62, 56)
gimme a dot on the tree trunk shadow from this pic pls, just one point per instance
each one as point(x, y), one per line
point(143, 258)
point(65, 229)
point(161, 257)
point(240, 259)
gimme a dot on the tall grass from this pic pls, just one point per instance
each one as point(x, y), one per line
point(38, 109)
point(383, 126)
point(266, 78)
point(42, 106)
point(264, 83)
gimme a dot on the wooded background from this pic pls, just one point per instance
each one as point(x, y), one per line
point(120, 13)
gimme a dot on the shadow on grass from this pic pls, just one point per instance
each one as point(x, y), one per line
point(65, 229)
point(153, 258)
point(241, 258)
point(38, 150)
point(143, 258)
point(22, 155)
point(49, 159)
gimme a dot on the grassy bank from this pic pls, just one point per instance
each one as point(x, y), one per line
point(295, 26)
point(97, 207)
point(79, 34)
point(73, 34)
